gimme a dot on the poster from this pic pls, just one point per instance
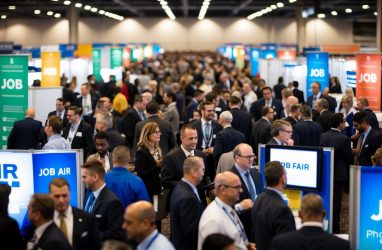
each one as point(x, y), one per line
point(96, 56)
point(318, 70)
point(116, 55)
point(50, 68)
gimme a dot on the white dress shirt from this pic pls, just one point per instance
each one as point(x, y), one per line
point(68, 220)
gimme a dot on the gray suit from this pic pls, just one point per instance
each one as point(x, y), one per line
point(172, 116)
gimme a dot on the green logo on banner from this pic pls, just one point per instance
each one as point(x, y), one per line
point(13, 92)
point(96, 56)
point(116, 57)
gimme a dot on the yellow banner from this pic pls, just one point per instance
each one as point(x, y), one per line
point(240, 56)
point(84, 51)
point(50, 69)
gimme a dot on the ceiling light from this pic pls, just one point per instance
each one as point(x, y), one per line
point(3, 16)
point(12, 7)
point(292, 1)
point(37, 12)
point(273, 6)
point(365, 6)
point(269, 9)
point(375, 13)
point(348, 10)
point(167, 9)
point(49, 13)
point(94, 9)
point(280, 5)
point(78, 5)
point(57, 15)
point(54, 0)
point(101, 12)
point(334, 13)
point(67, 2)
point(321, 15)
point(87, 7)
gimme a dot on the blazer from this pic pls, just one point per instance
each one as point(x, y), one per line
point(93, 100)
point(373, 118)
point(245, 216)
point(300, 95)
point(272, 141)
point(242, 121)
point(332, 102)
point(108, 212)
point(173, 116)
point(307, 133)
point(271, 217)
point(129, 121)
point(261, 133)
point(83, 137)
point(259, 104)
point(147, 169)
point(277, 90)
point(372, 142)
point(215, 129)
point(325, 120)
point(64, 120)
point(85, 231)
point(52, 239)
point(191, 107)
point(25, 134)
point(309, 237)
point(225, 141)
point(185, 210)
point(342, 152)
point(291, 120)
point(115, 139)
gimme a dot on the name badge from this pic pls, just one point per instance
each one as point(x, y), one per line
point(218, 109)
point(79, 134)
point(214, 136)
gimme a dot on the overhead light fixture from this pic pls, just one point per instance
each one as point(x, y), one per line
point(67, 2)
point(292, 1)
point(101, 12)
point(3, 16)
point(167, 9)
point(94, 9)
point(280, 5)
point(12, 7)
point(37, 12)
point(348, 10)
point(375, 13)
point(87, 7)
point(203, 9)
point(57, 15)
point(321, 15)
point(78, 5)
point(334, 13)
point(49, 13)
point(365, 6)
point(273, 7)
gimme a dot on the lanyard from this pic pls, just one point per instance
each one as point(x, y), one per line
point(152, 240)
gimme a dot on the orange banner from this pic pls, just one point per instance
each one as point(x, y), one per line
point(50, 69)
point(126, 57)
point(341, 48)
point(84, 51)
point(368, 83)
point(286, 54)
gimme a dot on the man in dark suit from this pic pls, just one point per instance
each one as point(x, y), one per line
point(78, 132)
point(279, 87)
point(316, 94)
point(268, 101)
point(25, 133)
point(104, 122)
point(172, 164)
point(128, 89)
point(186, 207)
point(311, 235)
point(167, 139)
point(294, 114)
point(132, 117)
point(298, 93)
point(368, 142)
point(363, 105)
point(307, 132)
point(261, 130)
point(271, 217)
point(78, 226)
point(101, 202)
point(60, 111)
point(282, 133)
point(207, 129)
point(325, 116)
point(242, 120)
point(342, 159)
point(47, 235)
point(86, 100)
point(193, 105)
point(227, 139)
point(251, 183)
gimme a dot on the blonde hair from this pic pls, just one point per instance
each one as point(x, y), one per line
point(147, 130)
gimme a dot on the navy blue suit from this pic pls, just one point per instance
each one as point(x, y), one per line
point(373, 118)
point(25, 134)
point(242, 122)
point(259, 104)
point(261, 133)
point(307, 133)
point(225, 141)
point(372, 142)
point(85, 231)
point(191, 107)
point(52, 239)
point(129, 121)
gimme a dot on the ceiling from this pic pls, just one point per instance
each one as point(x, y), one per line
point(191, 8)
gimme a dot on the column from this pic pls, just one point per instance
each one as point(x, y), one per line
point(379, 26)
point(73, 16)
point(300, 29)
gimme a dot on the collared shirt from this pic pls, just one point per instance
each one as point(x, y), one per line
point(68, 220)
point(227, 126)
point(336, 129)
point(57, 142)
point(366, 133)
point(88, 101)
point(187, 153)
point(242, 174)
point(313, 224)
point(194, 189)
point(72, 132)
point(277, 191)
point(41, 229)
point(211, 133)
point(106, 160)
point(155, 241)
point(98, 191)
point(278, 141)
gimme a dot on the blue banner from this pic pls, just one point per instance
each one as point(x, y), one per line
point(370, 212)
point(317, 70)
point(254, 56)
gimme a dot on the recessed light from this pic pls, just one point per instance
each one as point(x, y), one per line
point(57, 15)
point(49, 13)
point(94, 9)
point(365, 6)
point(67, 2)
point(321, 15)
point(3, 16)
point(37, 12)
point(280, 5)
point(87, 7)
point(78, 5)
point(12, 7)
point(334, 13)
point(101, 12)
point(273, 6)
point(348, 10)
point(375, 13)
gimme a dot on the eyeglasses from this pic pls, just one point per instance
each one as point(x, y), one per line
point(238, 187)
point(286, 131)
point(248, 156)
point(70, 115)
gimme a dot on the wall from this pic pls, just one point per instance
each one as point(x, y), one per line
point(182, 34)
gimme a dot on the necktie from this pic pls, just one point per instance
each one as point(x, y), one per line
point(72, 128)
point(250, 187)
point(314, 101)
point(207, 134)
point(239, 225)
point(359, 148)
point(90, 203)
point(142, 115)
point(63, 226)
point(31, 244)
point(85, 104)
point(59, 114)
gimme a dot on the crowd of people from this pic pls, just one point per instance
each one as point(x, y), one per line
point(183, 139)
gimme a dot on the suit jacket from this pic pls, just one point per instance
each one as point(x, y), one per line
point(25, 134)
point(108, 212)
point(307, 133)
point(325, 120)
point(215, 129)
point(185, 210)
point(342, 152)
point(242, 122)
point(115, 139)
point(191, 107)
point(173, 116)
point(373, 118)
point(271, 217)
point(332, 102)
point(309, 237)
point(259, 104)
point(277, 89)
point(52, 239)
point(245, 216)
point(10, 236)
point(83, 137)
point(300, 95)
point(64, 119)
point(372, 142)
point(261, 133)
point(167, 138)
point(291, 120)
point(129, 121)
point(272, 141)
point(225, 141)
point(85, 231)
point(93, 100)
point(147, 169)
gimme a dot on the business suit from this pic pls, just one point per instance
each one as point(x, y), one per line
point(173, 117)
point(372, 142)
point(373, 118)
point(245, 216)
point(85, 232)
point(332, 102)
point(108, 212)
point(273, 141)
point(242, 122)
point(63, 117)
point(10, 236)
point(167, 138)
point(325, 120)
point(93, 99)
point(342, 160)
point(261, 133)
point(191, 107)
point(25, 134)
point(309, 237)
point(291, 120)
point(129, 121)
point(83, 137)
point(115, 139)
point(271, 217)
point(299, 94)
point(259, 104)
point(52, 239)
point(185, 210)
point(307, 133)
point(277, 90)
point(226, 140)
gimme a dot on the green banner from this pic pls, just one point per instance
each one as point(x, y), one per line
point(96, 56)
point(13, 92)
point(116, 57)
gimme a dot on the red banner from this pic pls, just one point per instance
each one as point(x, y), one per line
point(286, 54)
point(369, 79)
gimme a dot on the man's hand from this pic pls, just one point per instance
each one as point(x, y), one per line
point(246, 204)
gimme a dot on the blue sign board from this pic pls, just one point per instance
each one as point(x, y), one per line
point(318, 70)
point(254, 56)
point(268, 53)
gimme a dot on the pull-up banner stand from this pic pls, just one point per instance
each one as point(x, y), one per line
point(318, 70)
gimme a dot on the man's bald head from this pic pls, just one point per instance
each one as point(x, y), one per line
point(142, 210)
point(312, 208)
point(225, 178)
point(30, 113)
point(228, 187)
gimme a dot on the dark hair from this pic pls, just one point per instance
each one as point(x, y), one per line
point(295, 84)
point(102, 135)
point(361, 117)
point(234, 100)
point(306, 111)
point(152, 108)
point(138, 98)
point(198, 92)
point(295, 108)
point(186, 126)
point(58, 182)
point(60, 100)
point(95, 167)
point(210, 97)
point(89, 76)
point(56, 124)
point(5, 191)
point(217, 242)
point(265, 110)
point(337, 119)
point(76, 110)
point(273, 172)
point(44, 204)
point(171, 95)
point(204, 104)
point(266, 88)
